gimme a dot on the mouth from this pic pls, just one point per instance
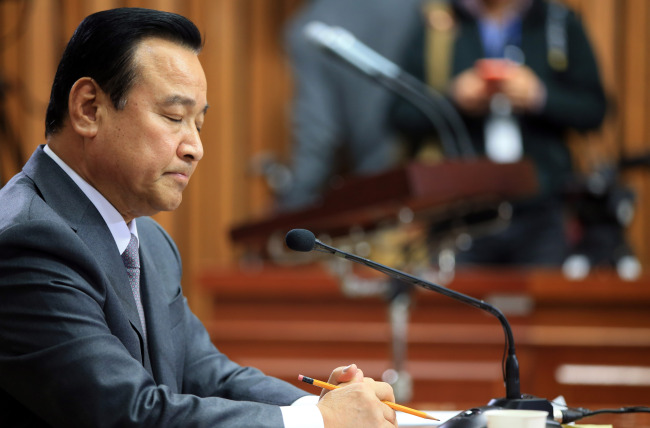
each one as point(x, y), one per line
point(182, 177)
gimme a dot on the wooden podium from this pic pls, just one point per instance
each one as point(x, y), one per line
point(442, 190)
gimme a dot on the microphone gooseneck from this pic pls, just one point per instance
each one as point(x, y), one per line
point(342, 44)
point(304, 240)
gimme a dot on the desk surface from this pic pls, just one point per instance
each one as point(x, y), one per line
point(406, 420)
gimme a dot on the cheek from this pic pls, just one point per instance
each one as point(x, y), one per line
point(142, 147)
point(149, 143)
point(162, 146)
point(157, 155)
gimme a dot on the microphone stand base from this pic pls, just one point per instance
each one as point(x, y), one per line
point(475, 417)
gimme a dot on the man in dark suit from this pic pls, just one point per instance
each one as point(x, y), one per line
point(94, 328)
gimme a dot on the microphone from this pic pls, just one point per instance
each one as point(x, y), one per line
point(304, 241)
point(342, 44)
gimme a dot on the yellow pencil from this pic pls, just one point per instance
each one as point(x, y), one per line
point(390, 404)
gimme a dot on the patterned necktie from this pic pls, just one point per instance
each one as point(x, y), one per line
point(131, 259)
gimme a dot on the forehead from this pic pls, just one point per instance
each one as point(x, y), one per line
point(165, 63)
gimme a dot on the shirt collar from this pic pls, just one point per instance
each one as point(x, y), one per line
point(120, 231)
point(477, 9)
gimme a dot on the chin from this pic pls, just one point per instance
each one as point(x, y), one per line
point(174, 204)
point(171, 207)
point(167, 204)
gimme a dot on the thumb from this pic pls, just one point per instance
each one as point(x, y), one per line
point(350, 373)
point(346, 374)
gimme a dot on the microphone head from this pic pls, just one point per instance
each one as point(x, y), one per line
point(300, 240)
point(317, 32)
point(325, 36)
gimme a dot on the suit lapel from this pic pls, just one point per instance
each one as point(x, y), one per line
point(157, 319)
point(97, 236)
point(62, 194)
point(468, 47)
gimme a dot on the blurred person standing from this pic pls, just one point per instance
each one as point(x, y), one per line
point(521, 73)
point(339, 117)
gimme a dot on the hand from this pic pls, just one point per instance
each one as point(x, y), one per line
point(470, 92)
point(357, 403)
point(524, 89)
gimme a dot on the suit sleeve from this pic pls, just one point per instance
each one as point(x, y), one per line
point(576, 97)
point(62, 365)
point(206, 371)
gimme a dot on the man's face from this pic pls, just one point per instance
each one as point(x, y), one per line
point(143, 155)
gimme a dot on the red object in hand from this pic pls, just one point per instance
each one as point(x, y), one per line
point(493, 71)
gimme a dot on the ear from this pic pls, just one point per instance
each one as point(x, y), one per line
point(83, 103)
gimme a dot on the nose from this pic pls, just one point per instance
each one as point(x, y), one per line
point(191, 148)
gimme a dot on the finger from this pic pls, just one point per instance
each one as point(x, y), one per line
point(343, 374)
point(351, 374)
point(359, 377)
point(390, 415)
point(383, 391)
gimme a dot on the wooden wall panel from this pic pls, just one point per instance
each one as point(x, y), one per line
point(249, 88)
point(605, 145)
point(635, 111)
point(10, 150)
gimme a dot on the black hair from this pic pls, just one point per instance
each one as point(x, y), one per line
point(102, 48)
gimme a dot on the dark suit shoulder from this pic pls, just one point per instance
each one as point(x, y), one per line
point(19, 200)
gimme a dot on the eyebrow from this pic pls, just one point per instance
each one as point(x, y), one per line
point(180, 99)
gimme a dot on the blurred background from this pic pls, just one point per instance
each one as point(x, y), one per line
point(581, 334)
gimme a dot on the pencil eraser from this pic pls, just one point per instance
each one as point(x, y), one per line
point(300, 377)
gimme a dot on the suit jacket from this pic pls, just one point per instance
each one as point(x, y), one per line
point(71, 346)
